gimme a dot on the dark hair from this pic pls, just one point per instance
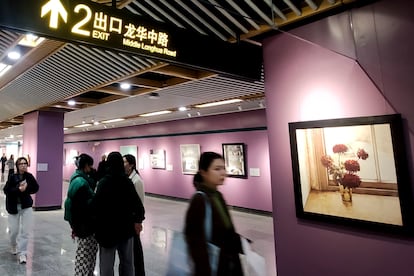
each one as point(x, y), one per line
point(132, 161)
point(83, 160)
point(115, 163)
point(18, 161)
point(204, 163)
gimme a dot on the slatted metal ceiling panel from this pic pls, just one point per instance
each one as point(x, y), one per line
point(189, 93)
point(68, 72)
point(7, 38)
point(225, 19)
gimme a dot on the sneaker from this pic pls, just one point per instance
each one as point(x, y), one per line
point(22, 259)
point(13, 250)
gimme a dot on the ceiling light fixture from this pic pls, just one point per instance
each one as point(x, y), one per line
point(125, 86)
point(113, 120)
point(83, 125)
point(71, 102)
point(239, 107)
point(4, 68)
point(182, 108)
point(153, 96)
point(155, 113)
point(31, 40)
point(219, 103)
point(14, 55)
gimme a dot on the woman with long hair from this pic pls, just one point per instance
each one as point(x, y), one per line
point(130, 165)
point(210, 177)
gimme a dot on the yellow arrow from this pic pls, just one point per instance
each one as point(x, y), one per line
point(55, 8)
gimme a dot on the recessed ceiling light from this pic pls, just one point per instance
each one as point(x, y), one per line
point(156, 113)
point(83, 125)
point(182, 108)
point(4, 68)
point(31, 40)
point(125, 86)
point(71, 102)
point(113, 120)
point(14, 55)
point(219, 103)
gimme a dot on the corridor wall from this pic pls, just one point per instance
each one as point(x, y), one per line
point(209, 132)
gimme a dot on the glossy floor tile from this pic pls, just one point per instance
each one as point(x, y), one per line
point(52, 251)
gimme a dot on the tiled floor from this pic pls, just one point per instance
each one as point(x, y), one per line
point(52, 251)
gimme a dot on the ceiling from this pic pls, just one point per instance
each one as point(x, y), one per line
point(48, 76)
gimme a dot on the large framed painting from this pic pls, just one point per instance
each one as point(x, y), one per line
point(157, 159)
point(352, 171)
point(235, 159)
point(190, 154)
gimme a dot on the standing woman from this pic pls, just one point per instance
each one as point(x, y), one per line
point(119, 215)
point(210, 176)
point(18, 190)
point(78, 214)
point(130, 165)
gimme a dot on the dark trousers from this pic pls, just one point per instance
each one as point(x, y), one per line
point(138, 257)
point(2, 168)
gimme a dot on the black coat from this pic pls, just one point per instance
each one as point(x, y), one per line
point(117, 207)
point(14, 195)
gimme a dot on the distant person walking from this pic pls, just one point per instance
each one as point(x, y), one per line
point(10, 166)
point(18, 190)
point(3, 160)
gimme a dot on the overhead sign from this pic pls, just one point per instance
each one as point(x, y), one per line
point(102, 26)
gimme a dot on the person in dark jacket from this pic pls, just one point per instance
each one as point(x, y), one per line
point(79, 215)
point(212, 174)
point(18, 190)
point(119, 215)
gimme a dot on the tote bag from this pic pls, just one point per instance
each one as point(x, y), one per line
point(180, 262)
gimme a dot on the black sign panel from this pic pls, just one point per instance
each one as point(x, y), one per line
point(102, 26)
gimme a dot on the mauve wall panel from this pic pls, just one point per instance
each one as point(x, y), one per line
point(50, 152)
point(307, 75)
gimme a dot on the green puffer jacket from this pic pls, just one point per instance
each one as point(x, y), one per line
point(77, 204)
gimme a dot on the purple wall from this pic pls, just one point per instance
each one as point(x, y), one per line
point(307, 81)
point(253, 192)
point(43, 138)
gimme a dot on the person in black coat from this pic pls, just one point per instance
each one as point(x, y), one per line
point(18, 190)
point(119, 214)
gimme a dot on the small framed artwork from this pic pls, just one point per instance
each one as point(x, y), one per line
point(235, 159)
point(352, 171)
point(190, 154)
point(157, 159)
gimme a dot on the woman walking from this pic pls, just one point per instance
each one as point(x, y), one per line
point(210, 176)
point(18, 190)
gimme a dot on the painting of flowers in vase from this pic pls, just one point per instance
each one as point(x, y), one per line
point(347, 169)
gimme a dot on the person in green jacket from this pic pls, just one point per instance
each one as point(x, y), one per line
point(79, 215)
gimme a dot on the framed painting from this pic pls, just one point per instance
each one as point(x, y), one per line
point(157, 159)
point(190, 154)
point(235, 159)
point(352, 171)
